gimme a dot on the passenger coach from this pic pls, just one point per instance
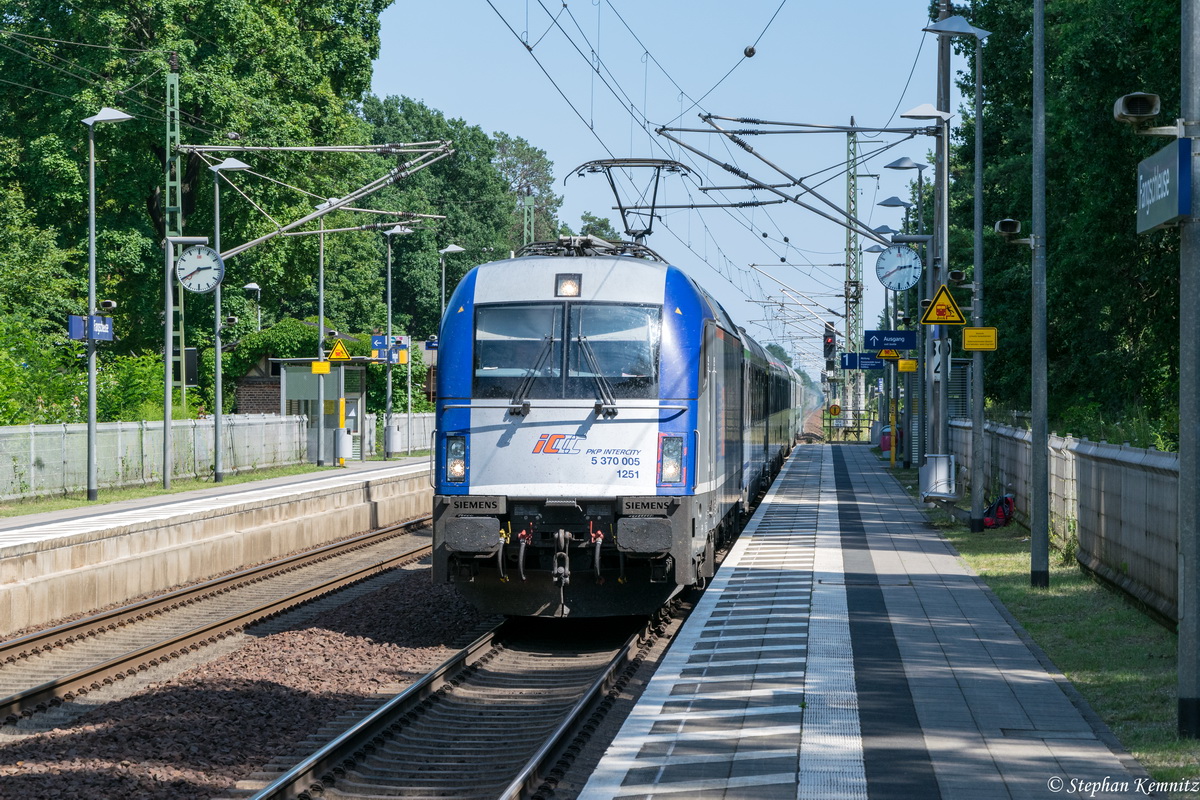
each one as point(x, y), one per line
point(601, 425)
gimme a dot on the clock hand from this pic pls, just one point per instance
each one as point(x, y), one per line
point(193, 272)
point(893, 272)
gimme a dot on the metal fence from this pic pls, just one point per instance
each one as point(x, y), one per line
point(1117, 505)
point(52, 459)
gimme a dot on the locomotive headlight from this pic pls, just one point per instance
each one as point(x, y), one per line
point(567, 284)
point(670, 459)
point(456, 458)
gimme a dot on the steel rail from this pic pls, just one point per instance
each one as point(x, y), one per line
point(322, 767)
point(312, 770)
point(533, 774)
point(133, 661)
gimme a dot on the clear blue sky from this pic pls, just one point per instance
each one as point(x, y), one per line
point(819, 63)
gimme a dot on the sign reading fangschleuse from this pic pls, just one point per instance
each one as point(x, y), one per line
point(1164, 191)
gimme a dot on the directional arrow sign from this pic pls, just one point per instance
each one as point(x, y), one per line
point(890, 340)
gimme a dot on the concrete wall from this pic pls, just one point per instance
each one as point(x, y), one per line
point(51, 578)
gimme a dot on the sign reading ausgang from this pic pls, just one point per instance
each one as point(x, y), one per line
point(1164, 190)
point(890, 340)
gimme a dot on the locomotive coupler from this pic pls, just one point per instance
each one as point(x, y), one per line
point(562, 568)
point(562, 559)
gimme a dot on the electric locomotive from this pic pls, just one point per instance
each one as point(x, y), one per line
point(601, 425)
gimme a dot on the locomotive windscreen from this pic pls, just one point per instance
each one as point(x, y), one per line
point(616, 344)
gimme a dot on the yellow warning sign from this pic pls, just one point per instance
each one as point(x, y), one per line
point(979, 339)
point(320, 368)
point(943, 310)
point(907, 365)
point(891, 354)
point(339, 352)
point(835, 410)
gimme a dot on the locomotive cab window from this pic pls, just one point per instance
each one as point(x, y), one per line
point(513, 342)
point(619, 344)
point(519, 347)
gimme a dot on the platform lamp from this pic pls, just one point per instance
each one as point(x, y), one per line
point(218, 321)
point(399, 230)
point(926, 111)
point(958, 26)
point(452, 248)
point(106, 115)
point(894, 372)
point(905, 162)
point(254, 287)
point(321, 330)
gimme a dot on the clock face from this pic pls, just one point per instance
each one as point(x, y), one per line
point(200, 269)
point(899, 268)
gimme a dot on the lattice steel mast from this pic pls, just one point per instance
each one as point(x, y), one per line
point(855, 389)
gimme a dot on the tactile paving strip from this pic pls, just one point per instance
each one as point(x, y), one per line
point(724, 715)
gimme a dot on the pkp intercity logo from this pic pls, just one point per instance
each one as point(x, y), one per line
point(557, 444)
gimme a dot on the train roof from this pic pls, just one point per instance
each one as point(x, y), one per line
point(595, 247)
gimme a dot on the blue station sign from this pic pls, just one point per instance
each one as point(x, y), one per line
point(1164, 186)
point(861, 361)
point(890, 340)
point(101, 328)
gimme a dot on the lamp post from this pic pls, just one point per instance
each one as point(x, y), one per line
point(321, 334)
point(106, 115)
point(907, 163)
point(452, 248)
point(941, 236)
point(894, 372)
point(254, 287)
point(958, 26)
point(218, 399)
point(387, 425)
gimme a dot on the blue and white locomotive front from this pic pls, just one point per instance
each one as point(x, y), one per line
point(565, 456)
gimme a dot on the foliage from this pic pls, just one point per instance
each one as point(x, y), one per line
point(1112, 313)
point(528, 173)
point(466, 189)
point(44, 376)
point(275, 72)
point(597, 226)
point(779, 353)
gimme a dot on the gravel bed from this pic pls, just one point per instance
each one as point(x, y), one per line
point(196, 734)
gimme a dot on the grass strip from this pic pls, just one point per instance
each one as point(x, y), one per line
point(1121, 660)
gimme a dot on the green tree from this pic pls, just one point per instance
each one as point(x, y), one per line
point(528, 173)
point(273, 73)
point(779, 353)
point(466, 189)
point(597, 226)
point(1113, 295)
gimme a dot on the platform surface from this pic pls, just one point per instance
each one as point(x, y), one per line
point(102, 517)
point(844, 650)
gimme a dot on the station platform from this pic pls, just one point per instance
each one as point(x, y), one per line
point(844, 650)
point(62, 563)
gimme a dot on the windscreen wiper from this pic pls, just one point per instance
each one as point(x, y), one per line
point(519, 405)
point(607, 404)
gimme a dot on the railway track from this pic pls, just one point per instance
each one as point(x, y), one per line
point(497, 720)
point(44, 669)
